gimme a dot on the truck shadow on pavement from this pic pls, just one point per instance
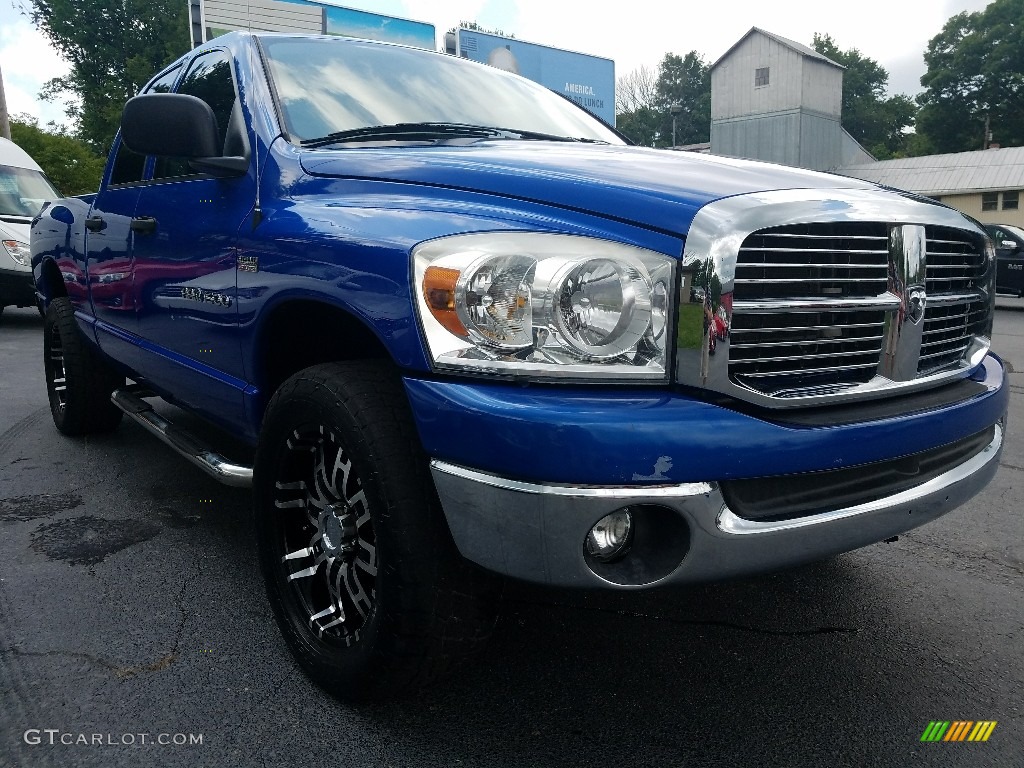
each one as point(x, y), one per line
point(721, 674)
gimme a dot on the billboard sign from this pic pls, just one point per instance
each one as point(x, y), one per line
point(375, 26)
point(587, 80)
point(212, 18)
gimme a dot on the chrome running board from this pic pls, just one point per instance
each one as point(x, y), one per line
point(130, 400)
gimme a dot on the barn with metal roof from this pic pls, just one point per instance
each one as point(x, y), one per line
point(986, 184)
point(777, 100)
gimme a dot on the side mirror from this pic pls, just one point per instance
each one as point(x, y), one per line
point(170, 125)
point(176, 125)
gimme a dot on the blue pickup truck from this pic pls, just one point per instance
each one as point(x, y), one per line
point(469, 332)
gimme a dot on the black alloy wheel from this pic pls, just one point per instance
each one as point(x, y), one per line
point(365, 581)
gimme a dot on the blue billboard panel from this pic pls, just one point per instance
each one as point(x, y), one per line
point(349, 22)
point(587, 80)
point(212, 18)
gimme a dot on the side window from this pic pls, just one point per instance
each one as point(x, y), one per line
point(129, 166)
point(165, 83)
point(209, 78)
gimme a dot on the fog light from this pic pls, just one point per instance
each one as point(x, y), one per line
point(609, 539)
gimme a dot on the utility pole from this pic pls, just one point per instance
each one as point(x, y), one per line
point(675, 109)
point(988, 134)
point(5, 124)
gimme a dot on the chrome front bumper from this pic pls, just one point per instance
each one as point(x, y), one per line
point(536, 532)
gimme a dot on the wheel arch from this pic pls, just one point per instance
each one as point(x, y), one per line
point(285, 342)
point(50, 282)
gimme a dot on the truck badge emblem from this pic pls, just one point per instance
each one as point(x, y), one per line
point(206, 297)
point(916, 300)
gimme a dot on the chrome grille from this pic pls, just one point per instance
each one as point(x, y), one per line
point(813, 261)
point(800, 298)
point(819, 350)
point(813, 304)
point(779, 346)
point(955, 313)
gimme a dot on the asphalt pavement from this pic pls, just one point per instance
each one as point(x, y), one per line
point(134, 631)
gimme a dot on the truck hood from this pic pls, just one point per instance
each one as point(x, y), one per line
point(654, 188)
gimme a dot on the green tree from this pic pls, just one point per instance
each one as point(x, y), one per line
point(878, 122)
point(685, 81)
point(69, 163)
point(975, 70)
point(113, 47)
point(644, 102)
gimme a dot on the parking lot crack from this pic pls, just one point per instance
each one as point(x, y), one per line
point(180, 633)
point(825, 630)
point(954, 669)
point(984, 557)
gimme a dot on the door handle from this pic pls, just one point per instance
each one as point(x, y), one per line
point(95, 223)
point(143, 224)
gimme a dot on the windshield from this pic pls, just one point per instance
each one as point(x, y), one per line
point(23, 191)
point(325, 86)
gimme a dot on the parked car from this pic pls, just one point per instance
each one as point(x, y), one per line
point(1009, 241)
point(448, 310)
point(23, 190)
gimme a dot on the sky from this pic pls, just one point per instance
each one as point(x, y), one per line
point(639, 33)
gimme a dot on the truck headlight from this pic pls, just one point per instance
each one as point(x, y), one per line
point(18, 251)
point(544, 305)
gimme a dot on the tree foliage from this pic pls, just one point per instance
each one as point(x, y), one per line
point(636, 90)
point(69, 163)
point(878, 122)
point(644, 102)
point(635, 114)
point(113, 47)
point(975, 68)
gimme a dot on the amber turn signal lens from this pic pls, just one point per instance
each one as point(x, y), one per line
point(439, 292)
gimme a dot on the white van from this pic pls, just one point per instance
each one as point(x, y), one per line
point(23, 190)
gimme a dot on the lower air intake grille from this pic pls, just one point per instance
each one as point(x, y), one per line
point(791, 496)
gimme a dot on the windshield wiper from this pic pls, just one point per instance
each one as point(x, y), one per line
point(409, 131)
point(431, 132)
point(537, 136)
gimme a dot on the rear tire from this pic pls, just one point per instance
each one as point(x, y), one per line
point(364, 579)
point(78, 380)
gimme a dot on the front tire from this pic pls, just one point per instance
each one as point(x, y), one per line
point(361, 571)
point(78, 380)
